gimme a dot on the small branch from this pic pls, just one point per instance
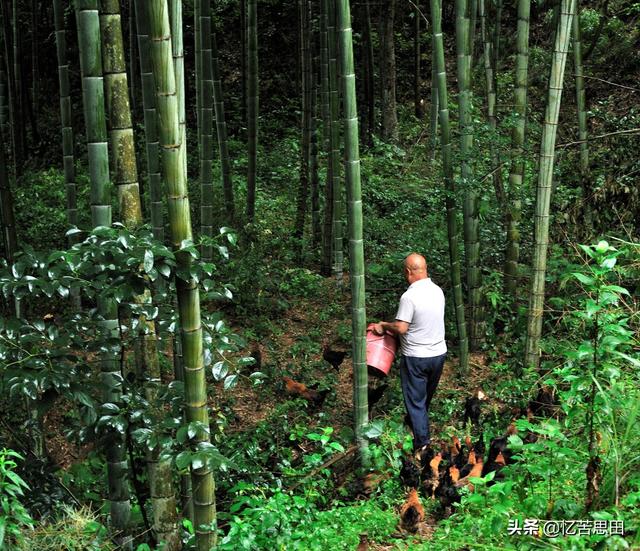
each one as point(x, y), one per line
point(420, 12)
point(611, 83)
point(599, 137)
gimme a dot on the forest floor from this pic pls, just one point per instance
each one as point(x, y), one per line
point(284, 353)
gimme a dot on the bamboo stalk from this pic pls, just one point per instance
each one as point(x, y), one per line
point(150, 123)
point(447, 166)
point(327, 233)
point(252, 107)
point(303, 176)
point(221, 131)
point(490, 83)
point(545, 181)
point(354, 209)
point(205, 83)
point(68, 161)
point(175, 184)
point(88, 23)
point(518, 135)
point(334, 106)
point(471, 198)
point(581, 103)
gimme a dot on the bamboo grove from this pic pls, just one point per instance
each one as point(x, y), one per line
point(149, 109)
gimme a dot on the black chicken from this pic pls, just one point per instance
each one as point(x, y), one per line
point(473, 408)
point(374, 395)
point(409, 473)
point(499, 447)
point(545, 404)
point(334, 357)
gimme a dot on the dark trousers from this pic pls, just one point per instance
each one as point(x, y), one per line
point(419, 377)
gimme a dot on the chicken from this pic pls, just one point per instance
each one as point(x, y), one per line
point(411, 512)
point(500, 446)
point(471, 461)
point(495, 465)
point(479, 447)
point(476, 471)
point(454, 474)
point(424, 457)
point(300, 390)
point(409, 473)
point(363, 545)
point(545, 403)
point(431, 475)
point(374, 395)
point(334, 357)
point(473, 408)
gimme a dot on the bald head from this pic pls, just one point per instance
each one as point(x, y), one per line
point(415, 267)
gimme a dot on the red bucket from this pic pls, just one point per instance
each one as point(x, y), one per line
point(381, 350)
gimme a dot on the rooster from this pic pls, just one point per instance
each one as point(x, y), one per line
point(411, 512)
point(300, 390)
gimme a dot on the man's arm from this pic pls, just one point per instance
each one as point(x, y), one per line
point(397, 327)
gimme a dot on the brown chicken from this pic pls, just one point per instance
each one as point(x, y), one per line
point(300, 390)
point(475, 471)
point(432, 479)
point(411, 512)
point(454, 473)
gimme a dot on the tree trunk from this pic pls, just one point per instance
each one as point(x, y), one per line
point(175, 185)
point(327, 233)
point(447, 165)
point(221, 131)
point(417, 95)
point(88, 24)
point(205, 133)
point(490, 83)
point(354, 206)
point(471, 198)
point(252, 105)
point(516, 173)
point(316, 229)
point(433, 124)
point(68, 161)
point(303, 177)
point(581, 103)
point(125, 177)
point(150, 123)
point(545, 180)
point(389, 114)
point(177, 48)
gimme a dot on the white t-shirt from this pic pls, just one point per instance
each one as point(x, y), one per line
point(422, 306)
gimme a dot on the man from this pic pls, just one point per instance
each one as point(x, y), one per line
point(420, 325)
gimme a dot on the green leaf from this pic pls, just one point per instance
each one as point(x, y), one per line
point(583, 278)
point(374, 430)
point(219, 370)
point(230, 382)
point(148, 261)
point(183, 460)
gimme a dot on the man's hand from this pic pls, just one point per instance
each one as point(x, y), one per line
point(378, 329)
